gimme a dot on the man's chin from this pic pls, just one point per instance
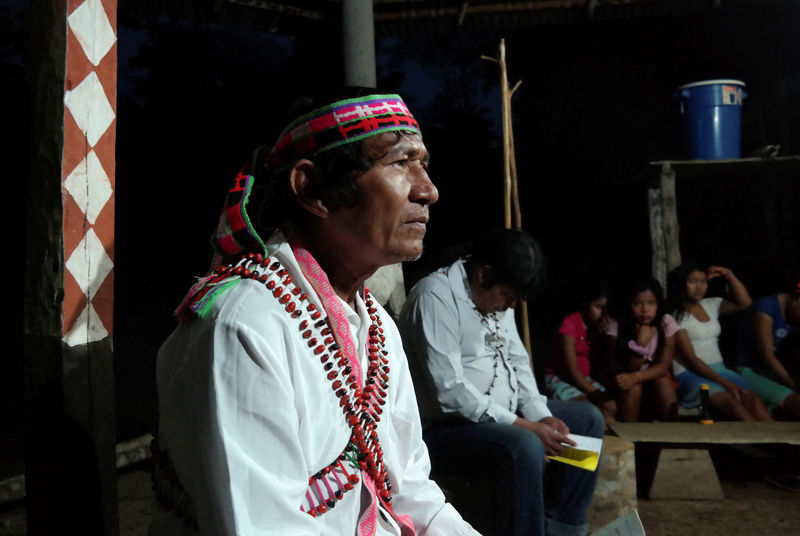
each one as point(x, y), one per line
point(411, 258)
point(409, 254)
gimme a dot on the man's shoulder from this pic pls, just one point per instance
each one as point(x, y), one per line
point(434, 281)
point(247, 310)
point(439, 282)
point(433, 288)
point(247, 304)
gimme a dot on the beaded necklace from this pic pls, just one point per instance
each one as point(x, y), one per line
point(361, 405)
point(494, 341)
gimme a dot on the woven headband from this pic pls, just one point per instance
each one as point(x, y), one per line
point(340, 123)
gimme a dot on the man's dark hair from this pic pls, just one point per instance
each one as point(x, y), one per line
point(514, 258)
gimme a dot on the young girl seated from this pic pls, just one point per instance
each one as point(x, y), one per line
point(698, 359)
point(568, 376)
point(642, 353)
point(766, 358)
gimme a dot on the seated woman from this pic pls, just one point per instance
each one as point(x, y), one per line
point(698, 359)
point(765, 356)
point(568, 376)
point(644, 341)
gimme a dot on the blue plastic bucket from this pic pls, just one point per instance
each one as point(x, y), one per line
point(712, 116)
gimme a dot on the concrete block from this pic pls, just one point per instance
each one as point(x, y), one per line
point(615, 493)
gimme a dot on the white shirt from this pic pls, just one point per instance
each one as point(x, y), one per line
point(247, 415)
point(704, 336)
point(454, 353)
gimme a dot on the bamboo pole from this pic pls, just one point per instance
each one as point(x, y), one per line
point(510, 187)
point(506, 111)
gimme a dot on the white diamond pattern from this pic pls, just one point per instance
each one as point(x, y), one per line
point(89, 264)
point(89, 106)
point(88, 328)
point(88, 184)
point(93, 30)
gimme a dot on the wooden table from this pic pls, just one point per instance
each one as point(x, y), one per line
point(722, 432)
point(650, 438)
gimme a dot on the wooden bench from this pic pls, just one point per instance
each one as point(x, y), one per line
point(688, 473)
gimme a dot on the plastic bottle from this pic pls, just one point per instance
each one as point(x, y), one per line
point(705, 406)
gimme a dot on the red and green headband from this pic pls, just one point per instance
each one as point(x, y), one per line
point(338, 124)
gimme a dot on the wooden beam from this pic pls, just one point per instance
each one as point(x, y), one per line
point(669, 222)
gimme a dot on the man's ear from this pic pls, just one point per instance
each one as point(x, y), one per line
point(482, 271)
point(304, 187)
point(485, 275)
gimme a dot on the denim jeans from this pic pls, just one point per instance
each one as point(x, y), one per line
point(529, 495)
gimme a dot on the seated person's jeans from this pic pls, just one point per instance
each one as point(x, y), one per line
point(529, 495)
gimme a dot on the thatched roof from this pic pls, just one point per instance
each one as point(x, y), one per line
point(397, 18)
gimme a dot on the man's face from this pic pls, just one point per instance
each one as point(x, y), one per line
point(389, 220)
point(494, 299)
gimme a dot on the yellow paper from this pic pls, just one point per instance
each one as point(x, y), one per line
point(586, 454)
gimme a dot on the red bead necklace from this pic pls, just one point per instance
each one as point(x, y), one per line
point(361, 404)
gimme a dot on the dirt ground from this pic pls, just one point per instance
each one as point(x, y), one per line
point(751, 506)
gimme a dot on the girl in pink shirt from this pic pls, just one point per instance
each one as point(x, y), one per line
point(568, 376)
point(643, 346)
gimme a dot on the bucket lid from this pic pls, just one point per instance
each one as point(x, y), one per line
point(729, 81)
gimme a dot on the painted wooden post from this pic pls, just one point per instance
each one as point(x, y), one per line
point(664, 232)
point(670, 204)
point(70, 457)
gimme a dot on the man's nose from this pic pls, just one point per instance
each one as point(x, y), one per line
point(423, 190)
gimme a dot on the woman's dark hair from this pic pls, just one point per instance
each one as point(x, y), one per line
point(676, 287)
point(589, 290)
point(627, 324)
point(333, 175)
point(514, 258)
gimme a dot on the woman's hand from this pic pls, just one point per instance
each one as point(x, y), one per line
point(717, 271)
point(737, 392)
point(626, 380)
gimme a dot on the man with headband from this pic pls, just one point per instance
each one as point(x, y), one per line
point(285, 402)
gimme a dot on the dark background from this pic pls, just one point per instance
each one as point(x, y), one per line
point(595, 106)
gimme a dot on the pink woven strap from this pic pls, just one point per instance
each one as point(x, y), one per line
point(330, 302)
point(313, 272)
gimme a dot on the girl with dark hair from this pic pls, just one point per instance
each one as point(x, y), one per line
point(699, 359)
point(568, 377)
point(644, 341)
